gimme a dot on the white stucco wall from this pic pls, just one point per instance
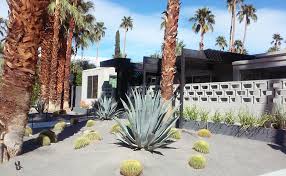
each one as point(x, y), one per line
point(103, 74)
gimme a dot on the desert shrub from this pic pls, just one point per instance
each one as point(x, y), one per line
point(131, 168)
point(40, 106)
point(90, 123)
point(198, 162)
point(264, 120)
point(28, 131)
point(204, 133)
point(246, 119)
point(217, 117)
point(44, 140)
point(147, 128)
point(229, 118)
point(92, 135)
point(74, 121)
point(191, 113)
point(201, 146)
point(52, 135)
point(115, 128)
point(279, 117)
point(59, 126)
point(81, 142)
point(107, 109)
point(59, 112)
point(175, 133)
point(204, 115)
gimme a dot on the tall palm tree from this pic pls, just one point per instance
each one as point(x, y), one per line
point(99, 33)
point(126, 24)
point(169, 50)
point(179, 47)
point(232, 7)
point(221, 42)
point(277, 40)
point(19, 71)
point(203, 23)
point(238, 47)
point(247, 13)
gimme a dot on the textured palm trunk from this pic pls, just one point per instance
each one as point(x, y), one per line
point(54, 62)
point(124, 44)
point(169, 51)
point(46, 50)
point(244, 35)
point(20, 56)
point(67, 66)
point(202, 41)
point(61, 71)
point(232, 49)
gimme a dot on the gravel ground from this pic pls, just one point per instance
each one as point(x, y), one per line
point(228, 156)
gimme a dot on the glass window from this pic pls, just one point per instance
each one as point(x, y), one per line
point(92, 86)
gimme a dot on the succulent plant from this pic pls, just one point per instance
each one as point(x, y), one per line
point(90, 123)
point(217, 117)
point(28, 131)
point(204, 133)
point(81, 142)
point(106, 108)
point(191, 113)
point(175, 133)
point(201, 146)
point(59, 126)
point(52, 135)
point(115, 129)
point(151, 120)
point(246, 119)
point(44, 140)
point(92, 135)
point(229, 118)
point(40, 106)
point(198, 162)
point(131, 168)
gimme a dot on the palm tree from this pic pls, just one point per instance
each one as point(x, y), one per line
point(99, 33)
point(232, 7)
point(179, 47)
point(163, 23)
point(126, 24)
point(238, 47)
point(203, 22)
point(246, 13)
point(221, 42)
point(277, 41)
point(169, 51)
point(19, 72)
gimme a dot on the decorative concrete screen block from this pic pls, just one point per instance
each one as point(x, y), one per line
point(241, 92)
point(262, 100)
point(261, 85)
point(224, 99)
point(188, 87)
point(199, 93)
point(247, 99)
point(195, 86)
point(254, 93)
point(284, 99)
point(205, 86)
point(192, 93)
point(267, 92)
point(276, 84)
point(235, 86)
point(229, 93)
point(219, 93)
point(247, 85)
point(214, 86)
point(224, 86)
point(281, 92)
point(213, 99)
point(236, 99)
point(277, 100)
point(204, 99)
point(209, 93)
point(195, 99)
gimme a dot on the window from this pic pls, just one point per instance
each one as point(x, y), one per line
point(92, 86)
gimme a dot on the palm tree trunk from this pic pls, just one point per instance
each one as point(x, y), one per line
point(67, 66)
point(124, 44)
point(54, 62)
point(61, 71)
point(233, 25)
point(20, 56)
point(46, 47)
point(244, 35)
point(169, 52)
point(202, 41)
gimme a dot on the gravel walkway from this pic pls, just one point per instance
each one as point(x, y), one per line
point(228, 156)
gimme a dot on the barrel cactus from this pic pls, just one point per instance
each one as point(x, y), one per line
point(28, 131)
point(175, 134)
point(81, 142)
point(106, 109)
point(198, 162)
point(90, 123)
point(131, 168)
point(204, 133)
point(201, 146)
point(150, 121)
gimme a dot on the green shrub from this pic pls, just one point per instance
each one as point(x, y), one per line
point(106, 108)
point(131, 168)
point(201, 146)
point(264, 120)
point(90, 123)
point(198, 162)
point(204, 115)
point(246, 119)
point(81, 142)
point(217, 117)
point(44, 140)
point(175, 133)
point(28, 131)
point(115, 129)
point(59, 112)
point(279, 119)
point(191, 113)
point(148, 128)
point(92, 135)
point(59, 126)
point(74, 121)
point(52, 135)
point(204, 133)
point(229, 118)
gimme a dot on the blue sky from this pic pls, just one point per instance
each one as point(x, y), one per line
point(146, 37)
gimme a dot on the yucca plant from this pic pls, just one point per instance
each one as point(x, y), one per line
point(151, 120)
point(106, 109)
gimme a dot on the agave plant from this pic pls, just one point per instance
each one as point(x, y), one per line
point(150, 121)
point(107, 109)
point(40, 106)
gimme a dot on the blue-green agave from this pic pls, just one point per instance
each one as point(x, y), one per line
point(151, 120)
point(107, 109)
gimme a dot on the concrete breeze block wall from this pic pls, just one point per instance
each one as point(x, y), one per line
point(257, 96)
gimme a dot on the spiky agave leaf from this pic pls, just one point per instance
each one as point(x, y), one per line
point(107, 109)
point(150, 121)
